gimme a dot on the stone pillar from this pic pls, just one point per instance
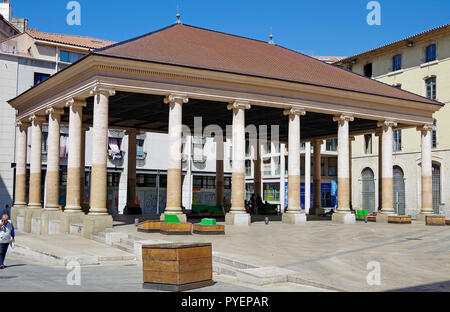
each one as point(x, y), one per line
point(307, 177)
point(350, 153)
point(238, 215)
point(34, 209)
point(73, 200)
point(317, 179)
point(220, 180)
point(51, 211)
point(174, 172)
point(427, 174)
point(387, 176)
point(294, 213)
point(257, 177)
point(53, 168)
point(343, 214)
point(282, 177)
point(98, 218)
point(132, 208)
point(20, 203)
point(380, 168)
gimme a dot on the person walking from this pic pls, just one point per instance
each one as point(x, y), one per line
point(7, 235)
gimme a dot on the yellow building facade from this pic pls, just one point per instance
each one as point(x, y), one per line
point(418, 64)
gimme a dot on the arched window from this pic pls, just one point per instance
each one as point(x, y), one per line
point(436, 188)
point(368, 190)
point(399, 191)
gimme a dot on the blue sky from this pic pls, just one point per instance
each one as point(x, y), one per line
point(314, 27)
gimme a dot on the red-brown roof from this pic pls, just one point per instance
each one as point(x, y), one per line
point(85, 42)
point(329, 59)
point(195, 47)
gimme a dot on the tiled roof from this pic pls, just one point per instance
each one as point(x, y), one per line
point(329, 59)
point(195, 47)
point(85, 42)
point(410, 38)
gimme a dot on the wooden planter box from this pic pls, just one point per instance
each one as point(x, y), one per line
point(447, 222)
point(209, 229)
point(400, 219)
point(435, 220)
point(176, 228)
point(150, 226)
point(372, 218)
point(177, 267)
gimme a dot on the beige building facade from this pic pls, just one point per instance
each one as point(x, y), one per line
point(419, 64)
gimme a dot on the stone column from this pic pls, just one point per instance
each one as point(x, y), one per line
point(387, 177)
point(220, 182)
point(53, 169)
point(20, 203)
point(98, 218)
point(427, 174)
point(350, 153)
point(238, 215)
point(282, 177)
point(34, 209)
point(307, 177)
point(294, 213)
point(174, 172)
point(132, 208)
point(317, 178)
point(380, 168)
point(343, 214)
point(257, 177)
point(73, 200)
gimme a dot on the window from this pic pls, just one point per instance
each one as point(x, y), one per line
point(322, 167)
point(39, 77)
point(434, 136)
point(397, 62)
point(227, 183)
point(271, 192)
point(332, 145)
point(431, 88)
point(368, 144)
point(248, 168)
point(198, 182)
point(397, 134)
point(267, 148)
point(113, 179)
point(267, 167)
point(44, 142)
point(332, 167)
point(431, 53)
point(140, 149)
point(69, 57)
point(368, 70)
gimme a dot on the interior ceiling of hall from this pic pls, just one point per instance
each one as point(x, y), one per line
point(149, 113)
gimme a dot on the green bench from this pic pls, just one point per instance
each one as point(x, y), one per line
point(171, 219)
point(208, 222)
point(361, 214)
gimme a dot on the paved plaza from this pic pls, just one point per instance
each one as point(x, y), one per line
point(324, 256)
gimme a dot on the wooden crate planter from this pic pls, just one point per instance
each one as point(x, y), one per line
point(400, 219)
point(435, 220)
point(176, 228)
point(150, 226)
point(209, 229)
point(372, 219)
point(177, 267)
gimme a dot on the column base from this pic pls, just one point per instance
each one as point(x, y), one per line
point(94, 224)
point(51, 221)
point(243, 219)
point(343, 218)
point(293, 218)
point(384, 217)
point(18, 210)
point(69, 218)
point(30, 214)
point(420, 218)
point(181, 216)
point(132, 210)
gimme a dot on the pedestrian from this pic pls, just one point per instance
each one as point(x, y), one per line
point(7, 235)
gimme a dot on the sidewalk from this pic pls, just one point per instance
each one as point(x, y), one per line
point(61, 249)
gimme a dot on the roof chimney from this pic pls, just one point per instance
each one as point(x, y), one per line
point(5, 10)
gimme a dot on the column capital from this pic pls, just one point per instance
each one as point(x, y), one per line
point(426, 128)
point(386, 124)
point(76, 103)
point(176, 98)
point(22, 124)
point(343, 118)
point(102, 90)
point(54, 111)
point(294, 111)
point(37, 119)
point(239, 105)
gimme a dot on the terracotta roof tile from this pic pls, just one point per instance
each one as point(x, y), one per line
point(85, 42)
point(195, 47)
